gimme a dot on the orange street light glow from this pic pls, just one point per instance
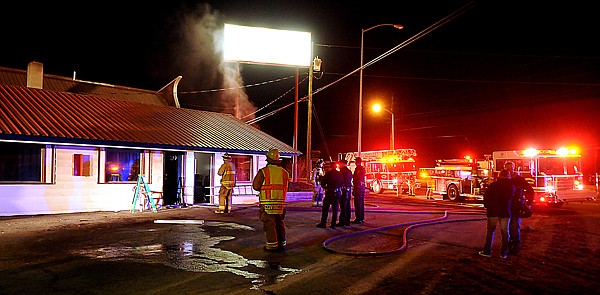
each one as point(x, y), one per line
point(377, 108)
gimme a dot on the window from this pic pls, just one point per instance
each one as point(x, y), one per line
point(243, 166)
point(82, 165)
point(21, 162)
point(122, 165)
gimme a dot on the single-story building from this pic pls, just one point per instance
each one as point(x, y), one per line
point(73, 146)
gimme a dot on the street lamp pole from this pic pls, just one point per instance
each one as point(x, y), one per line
point(377, 108)
point(392, 143)
point(360, 90)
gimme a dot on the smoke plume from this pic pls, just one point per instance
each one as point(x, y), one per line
point(195, 35)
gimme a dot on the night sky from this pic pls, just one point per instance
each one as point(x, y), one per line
point(499, 75)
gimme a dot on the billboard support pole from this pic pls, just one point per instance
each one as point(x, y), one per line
point(309, 122)
point(295, 144)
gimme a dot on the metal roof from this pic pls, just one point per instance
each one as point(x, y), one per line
point(17, 77)
point(70, 118)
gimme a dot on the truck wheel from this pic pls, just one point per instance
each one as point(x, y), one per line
point(377, 187)
point(453, 194)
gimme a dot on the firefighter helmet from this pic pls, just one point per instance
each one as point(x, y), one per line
point(226, 156)
point(273, 156)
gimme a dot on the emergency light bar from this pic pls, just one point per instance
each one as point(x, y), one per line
point(561, 152)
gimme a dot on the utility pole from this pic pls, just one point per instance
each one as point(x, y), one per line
point(295, 158)
point(308, 124)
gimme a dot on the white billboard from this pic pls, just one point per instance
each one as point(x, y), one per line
point(266, 46)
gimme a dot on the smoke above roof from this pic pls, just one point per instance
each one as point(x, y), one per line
point(208, 83)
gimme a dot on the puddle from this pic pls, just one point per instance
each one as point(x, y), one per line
point(191, 248)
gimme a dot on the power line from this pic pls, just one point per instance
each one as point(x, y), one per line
point(419, 35)
point(237, 87)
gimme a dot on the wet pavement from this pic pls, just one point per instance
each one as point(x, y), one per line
point(192, 250)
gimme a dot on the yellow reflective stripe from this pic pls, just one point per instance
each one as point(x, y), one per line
point(267, 192)
point(274, 187)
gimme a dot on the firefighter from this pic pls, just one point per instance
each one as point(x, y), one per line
point(332, 183)
point(358, 180)
point(272, 183)
point(316, 176)
point(524, 195)
point(345, 208)
point(227, 173)
point(412, 184)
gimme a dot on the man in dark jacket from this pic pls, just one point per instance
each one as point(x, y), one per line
point(523, 196)
point(359, 180)
point(497, 200)
point(345, 208)
point(332, 183)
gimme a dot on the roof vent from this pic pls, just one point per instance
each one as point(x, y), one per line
point(35, 75)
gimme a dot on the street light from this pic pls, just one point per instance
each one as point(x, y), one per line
point(362, 37)
point(314, 67)
point(377, 108)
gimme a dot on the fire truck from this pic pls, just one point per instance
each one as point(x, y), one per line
point(387, 169)
point(458, 179)
point(551, 173)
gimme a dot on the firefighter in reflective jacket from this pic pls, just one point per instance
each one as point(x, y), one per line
point(316, 177)
point(227, 173)
point(272, 183)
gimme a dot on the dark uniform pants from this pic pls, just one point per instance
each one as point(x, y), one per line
point(359, 203)
point(274, 228)
point(332, 198)
point(345, 208)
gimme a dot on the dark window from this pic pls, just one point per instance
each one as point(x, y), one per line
point(122, 165)
point(21, 162)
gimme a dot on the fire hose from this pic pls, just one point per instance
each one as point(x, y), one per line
point(409, 226)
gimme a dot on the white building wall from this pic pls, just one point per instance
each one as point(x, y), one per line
point(71, 193)
point(189, 169)
point(65, 193)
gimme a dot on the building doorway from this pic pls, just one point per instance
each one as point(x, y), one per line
point(172, 179)
point(202, 177)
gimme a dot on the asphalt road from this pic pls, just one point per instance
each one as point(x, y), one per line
point(407, 245)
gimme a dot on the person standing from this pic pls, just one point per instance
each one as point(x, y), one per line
point(316, 176)
point(332, 183)
point(272, 183)
point(345, 209)
point(359, 179)
point(497, 201)
point(412, 185)
point(227, 173)
point(524, 196)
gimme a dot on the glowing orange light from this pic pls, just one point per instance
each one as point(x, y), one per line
point(377, 108)
point(114, 168)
